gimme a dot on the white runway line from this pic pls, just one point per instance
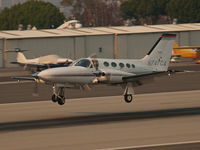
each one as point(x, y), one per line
point(14, 82)
point(152, 145)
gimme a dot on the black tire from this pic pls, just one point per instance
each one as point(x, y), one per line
point(54, 98)
point(61, 101)
point(128, 98)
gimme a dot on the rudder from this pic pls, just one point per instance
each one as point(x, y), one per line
point(159, 56)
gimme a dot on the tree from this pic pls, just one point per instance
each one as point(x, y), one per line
point(95, 12)
point(143, 10)
point(36, 13)
point(184, 11)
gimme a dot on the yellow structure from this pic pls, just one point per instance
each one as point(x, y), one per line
point(186, 52)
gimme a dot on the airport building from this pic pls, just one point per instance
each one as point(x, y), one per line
point(107, 42)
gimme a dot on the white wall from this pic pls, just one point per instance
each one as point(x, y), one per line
point(183, 38)
point(79, 44)
point(195, 38)
point(94, 43)
point(1, 55)
point(122, 46)
point(129, 46)
point(140, 44)
point(42, 46)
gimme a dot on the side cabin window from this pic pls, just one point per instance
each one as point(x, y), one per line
point(113, 64)
point(83, 63)
point(133, 66)
point(106, 64)
point(121, 65)
point(128, 65)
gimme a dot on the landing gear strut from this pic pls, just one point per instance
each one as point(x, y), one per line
point(128, 93)
point(58, 95)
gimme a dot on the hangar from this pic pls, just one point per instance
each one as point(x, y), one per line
point(107, 42)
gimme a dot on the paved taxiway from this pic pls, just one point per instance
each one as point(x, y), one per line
point(104, 122)
point(13, 92)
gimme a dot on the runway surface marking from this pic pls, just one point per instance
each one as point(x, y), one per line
point(103, 122)
point(103, 97)
point(151, 146)
point(14, 82)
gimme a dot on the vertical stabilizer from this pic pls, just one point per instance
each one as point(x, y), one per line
point(159, 56)
point(20, 56)
point(176, 45)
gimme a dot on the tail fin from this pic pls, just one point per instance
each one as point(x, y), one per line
point(175, 51)
point(175, 45)
point(20, 56)
point(159, 56)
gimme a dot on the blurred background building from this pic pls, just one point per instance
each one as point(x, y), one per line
point(107, 42)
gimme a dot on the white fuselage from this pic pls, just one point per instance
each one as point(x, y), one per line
point(92, 70)
point(48, 59)
point(108, 71)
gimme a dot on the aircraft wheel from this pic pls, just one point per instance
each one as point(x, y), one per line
point(61, 100)
point(54, 98)
point(128, 98)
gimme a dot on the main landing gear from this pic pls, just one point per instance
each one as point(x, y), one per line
point(58, 95)
point(128, 98)
point(128, 93)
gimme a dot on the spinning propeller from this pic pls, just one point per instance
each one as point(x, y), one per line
point(101, 75)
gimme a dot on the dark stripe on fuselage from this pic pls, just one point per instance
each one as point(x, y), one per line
point(83, 75)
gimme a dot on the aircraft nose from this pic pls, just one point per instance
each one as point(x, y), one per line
point(44, 75)
point(35, 74)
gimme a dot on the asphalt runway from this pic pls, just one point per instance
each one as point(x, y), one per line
point(13, 92)
point(156, 121)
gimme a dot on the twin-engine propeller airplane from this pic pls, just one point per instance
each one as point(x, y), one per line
point(40, 63)
point(125, 72)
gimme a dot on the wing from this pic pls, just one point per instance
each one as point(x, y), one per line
point(187, 47)
point(138, 80)
point(42, 66)
point(24, 78)
point(29, 64)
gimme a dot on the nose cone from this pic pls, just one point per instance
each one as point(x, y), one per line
point(73, 74)
point(53, 74)
point(35, 74)
point(45, 74)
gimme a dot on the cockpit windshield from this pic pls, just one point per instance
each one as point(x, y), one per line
point(83, 63)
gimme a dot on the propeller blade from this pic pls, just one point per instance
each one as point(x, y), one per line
point(35, 75)
point(35, 93)
point(25, 67)
point(86, 86)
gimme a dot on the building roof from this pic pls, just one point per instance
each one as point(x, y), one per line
point(15, 34)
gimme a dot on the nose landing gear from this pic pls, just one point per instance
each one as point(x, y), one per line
point(58, 95)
